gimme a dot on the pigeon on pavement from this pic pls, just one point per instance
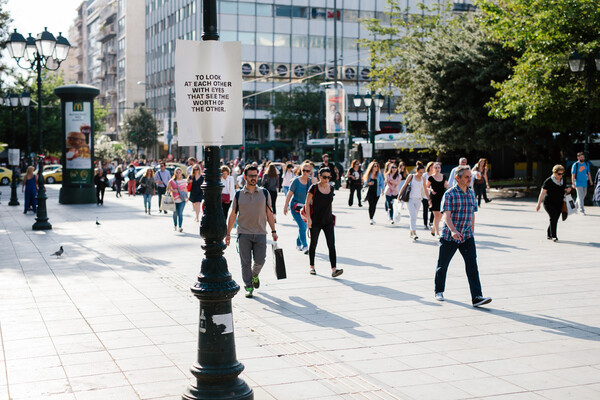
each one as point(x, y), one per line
point(97, 223)
point(58, 253)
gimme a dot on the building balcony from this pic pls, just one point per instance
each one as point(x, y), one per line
point(107, 34)
point(111, 70)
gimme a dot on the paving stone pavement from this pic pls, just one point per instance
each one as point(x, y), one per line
point(113, 318)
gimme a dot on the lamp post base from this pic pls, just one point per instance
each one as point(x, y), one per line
point(41, 220)
point(14, 200)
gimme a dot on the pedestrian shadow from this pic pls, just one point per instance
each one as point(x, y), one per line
point(352, 261)
point(586, 244)
point(506, 226)
point(554, 325)
point(385, 292)
point(489, 245)
point(302, 310)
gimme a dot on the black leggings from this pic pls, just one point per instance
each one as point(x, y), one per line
point(314, 238)
point(99, 195)
point(354, 188)
point(273, 201)
point(554, 215)
point(372, 198)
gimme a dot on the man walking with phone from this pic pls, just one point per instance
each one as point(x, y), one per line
point(458, 207)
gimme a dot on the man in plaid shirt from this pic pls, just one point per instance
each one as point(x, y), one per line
point(459, 206)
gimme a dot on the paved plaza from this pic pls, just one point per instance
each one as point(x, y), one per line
point(113, 318)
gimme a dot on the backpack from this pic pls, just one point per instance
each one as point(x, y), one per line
point(131, 174)
point(237, 197)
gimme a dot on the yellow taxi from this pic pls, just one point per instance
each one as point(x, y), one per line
point(53, 175)
point(5, 176)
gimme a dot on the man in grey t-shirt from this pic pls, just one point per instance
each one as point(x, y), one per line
point(251, 207)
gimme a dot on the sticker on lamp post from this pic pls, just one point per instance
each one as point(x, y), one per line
point(208, 93)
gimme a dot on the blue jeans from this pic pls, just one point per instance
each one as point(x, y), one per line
point(301, 239)
point(286, 189)
point(178, 213)
point(389, 201)
point(469, 254)
point(147, 201)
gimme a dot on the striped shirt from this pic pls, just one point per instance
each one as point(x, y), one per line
point(462, 207)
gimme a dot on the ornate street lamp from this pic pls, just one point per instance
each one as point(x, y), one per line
point(41, 53)
point(371, 104)
point(216, 369)
point(12, 101)
point(577, 63)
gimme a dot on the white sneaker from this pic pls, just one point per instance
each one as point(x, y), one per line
point(439, 296)
point(299, 248)
point(372, 222)
point(180, 229)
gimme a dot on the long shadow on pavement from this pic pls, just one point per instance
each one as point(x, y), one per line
point(351, 261)
point(557, 326)
point(303, 310)
point(386, 292)
point(587, 244)
point(507, 226)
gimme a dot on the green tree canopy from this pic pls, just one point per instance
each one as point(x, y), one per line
point(542, 91)
point(140, 128)
point(297, 111)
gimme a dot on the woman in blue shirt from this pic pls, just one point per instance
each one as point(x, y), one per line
point(296, 198)
point(375, 184)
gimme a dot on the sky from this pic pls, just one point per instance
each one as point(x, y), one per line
point(33, 15)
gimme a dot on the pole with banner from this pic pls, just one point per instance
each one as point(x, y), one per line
point(208, 90)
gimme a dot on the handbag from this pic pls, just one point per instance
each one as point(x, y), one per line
point(167, 203)
point(182, 195)
point(278, 262)
point(570, 204)
point(226, 198)
point(405, 195)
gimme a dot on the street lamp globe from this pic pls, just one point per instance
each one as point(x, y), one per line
point(45, 43)
point(30, 49)
point(16, 45)
point(61, 50)
point(25, 99)
point(368, 99)
point(14, 99)
point(357, 100)
point(379, 100)
point(576, 62)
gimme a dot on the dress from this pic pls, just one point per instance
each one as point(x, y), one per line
point(439, 188)
point(30, 194)
point(197, 194)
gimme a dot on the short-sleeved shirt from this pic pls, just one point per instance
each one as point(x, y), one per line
point(462, 206)
point(252, 211)
point(300, 190)
point(555, 193)
point(580, 170)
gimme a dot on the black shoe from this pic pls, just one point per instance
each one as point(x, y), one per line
point(549, 238)
point(488, 200)
point(555, 239)
point(337, 272)
point(360, 205)
point(480, 300)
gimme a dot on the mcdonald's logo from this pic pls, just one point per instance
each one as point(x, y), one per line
point(78, 106)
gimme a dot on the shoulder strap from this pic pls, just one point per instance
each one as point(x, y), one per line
point(237, 199)
point(266, 193)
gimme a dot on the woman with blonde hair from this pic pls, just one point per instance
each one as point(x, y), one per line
point(553, 195)
point(30, 189)
point(373, 180)
point(296, 198)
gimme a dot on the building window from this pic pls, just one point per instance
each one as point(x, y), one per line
point(300, 41)
point(318, 13)
point(246, 8)
point(264, 39)
point(228, 7)
point(264, 10)
point(281, 41)
point(299, 12)
point(283, 11)
point(121, 25)
point(350, 15)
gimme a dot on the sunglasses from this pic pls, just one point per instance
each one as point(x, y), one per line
point(394, 167)
point(560, 173)
point(306, 170)
point(325, 177)
point(252, 176)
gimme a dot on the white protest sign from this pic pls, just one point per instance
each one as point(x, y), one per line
point(208, 87)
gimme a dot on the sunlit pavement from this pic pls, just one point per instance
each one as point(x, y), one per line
point(113, 318)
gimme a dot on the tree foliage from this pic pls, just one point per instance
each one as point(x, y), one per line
point(105, 149)
point(297, 111)
point(5, 21)
point(542, 91)
point(448, 87)
point(140, 128)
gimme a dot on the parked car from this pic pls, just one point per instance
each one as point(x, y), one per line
point(5, 176)
point(50, 167)
point(171, 168)
point(53, 175)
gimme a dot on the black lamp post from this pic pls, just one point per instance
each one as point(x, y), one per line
point(577, 64)
point(12, 101)
point(371, 105)
point(40, 53)
point(216, 369)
